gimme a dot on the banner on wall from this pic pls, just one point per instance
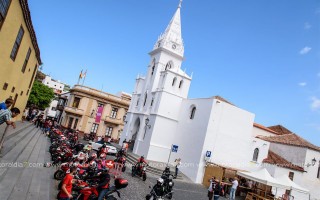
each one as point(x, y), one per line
point(99, 114)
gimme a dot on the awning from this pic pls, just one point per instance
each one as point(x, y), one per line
point(293, 185)
point(263, 176)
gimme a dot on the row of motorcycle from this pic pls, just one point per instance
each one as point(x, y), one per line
point(66, 152)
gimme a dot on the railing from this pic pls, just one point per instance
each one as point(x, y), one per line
point(74, 110)
point(2, 137)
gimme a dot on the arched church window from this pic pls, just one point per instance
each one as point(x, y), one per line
point(138, 101)
point(180, 84)
point(174, 81)
point(153, 66)
point(193, 112)
point(255, 154)
point(169, 65)
point(145, 99)
point(152, 101)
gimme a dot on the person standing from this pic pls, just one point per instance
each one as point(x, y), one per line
point(66, 188)
point(7, 115)
point(233, 190)
point(177, 163)
point(211, 188)
point(217, 190)
point(6, 104)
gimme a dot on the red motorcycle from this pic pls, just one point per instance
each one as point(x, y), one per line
point(122, 160)
point(83, 191)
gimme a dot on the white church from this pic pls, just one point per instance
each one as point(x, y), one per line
point(161, 115)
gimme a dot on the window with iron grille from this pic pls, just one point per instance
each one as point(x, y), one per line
point(114, 112)
point(109, 131)
point(26, 61)
point(16, 44)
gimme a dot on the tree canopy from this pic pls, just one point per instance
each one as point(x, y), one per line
point(41, 95)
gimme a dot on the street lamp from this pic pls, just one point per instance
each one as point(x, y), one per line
point(147, 126)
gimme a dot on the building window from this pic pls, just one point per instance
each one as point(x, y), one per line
point(180, 84)
point(114, 112)
point(21, 93)
point(152, 69)
point(34, 72)
point(16, 44)
point(255, 154)
point(152, 101)
point(318, 175)
point(70, 122)
point(76, 102)
point(145, 99)
point(193, 112)
point(5, 86)
point(13, 89)
point(75, 123)
point(109, 131)
point(174, 81)
point(26, 61)
point(291, 175)
point(4, 6)
point(169, 65)
point(94, 128)
point(138, 101)
point(53, 108)
point(27, 93)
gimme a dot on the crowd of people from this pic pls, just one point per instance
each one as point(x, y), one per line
point(217, 188)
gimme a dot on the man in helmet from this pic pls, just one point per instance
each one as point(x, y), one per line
point(159, 188)
point(140, 163)
point(104, 181)
point(166, 171)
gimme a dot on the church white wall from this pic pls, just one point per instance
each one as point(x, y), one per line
point(229, 137)
point(293, 154)
point(190, 136)
point(260, 132)
point(263, 147)
point(309, 179)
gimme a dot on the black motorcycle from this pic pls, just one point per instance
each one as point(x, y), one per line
point(168, 184)
point(154, 196)
point(139, 172)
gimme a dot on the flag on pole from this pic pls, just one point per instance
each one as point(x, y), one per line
point(84, 74)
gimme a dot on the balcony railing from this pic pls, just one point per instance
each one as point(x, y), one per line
point(115, 121)
point(74, 110)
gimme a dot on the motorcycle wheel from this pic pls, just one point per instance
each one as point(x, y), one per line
point(59, 175)
point(132, 173)
point(144, 177)
point(110, 198)
point(170, 196)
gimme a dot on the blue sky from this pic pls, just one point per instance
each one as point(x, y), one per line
point(262, 56)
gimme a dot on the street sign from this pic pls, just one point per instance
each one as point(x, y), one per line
point(174, 148)
point(208, 154)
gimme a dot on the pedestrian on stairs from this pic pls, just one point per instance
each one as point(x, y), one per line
point(7, 115)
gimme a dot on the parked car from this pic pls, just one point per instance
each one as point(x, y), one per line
point(111, 149)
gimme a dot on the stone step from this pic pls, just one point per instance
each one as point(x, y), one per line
point(13, 174)
point(12, 155)
point(10, 143)
point(16, 131)
point(23, 185)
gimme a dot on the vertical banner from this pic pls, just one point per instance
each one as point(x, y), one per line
point(99, 114)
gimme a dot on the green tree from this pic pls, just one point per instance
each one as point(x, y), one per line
point(41, 95)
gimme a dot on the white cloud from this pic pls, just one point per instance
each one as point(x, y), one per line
point(307, 26)
point(302, 84)
point(315, 104)
point(305, 50)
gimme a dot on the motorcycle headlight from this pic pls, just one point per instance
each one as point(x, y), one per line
point(144, 168)
point(170, 184)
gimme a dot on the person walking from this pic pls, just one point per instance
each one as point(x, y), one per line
point(66, 189)
point(6, 116)
point(217, 190)
point(177, 163)
point(6, 104)
point(234, 187)
point(211, 188)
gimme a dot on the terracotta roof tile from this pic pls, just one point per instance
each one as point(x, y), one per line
point(279, 161)
point(280, 129)
point(290, 139)
point(265, 128)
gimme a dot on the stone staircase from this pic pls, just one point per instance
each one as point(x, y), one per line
point(22, 175)
point(155, 168)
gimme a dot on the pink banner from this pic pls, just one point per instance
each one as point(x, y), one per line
point(99, 114)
